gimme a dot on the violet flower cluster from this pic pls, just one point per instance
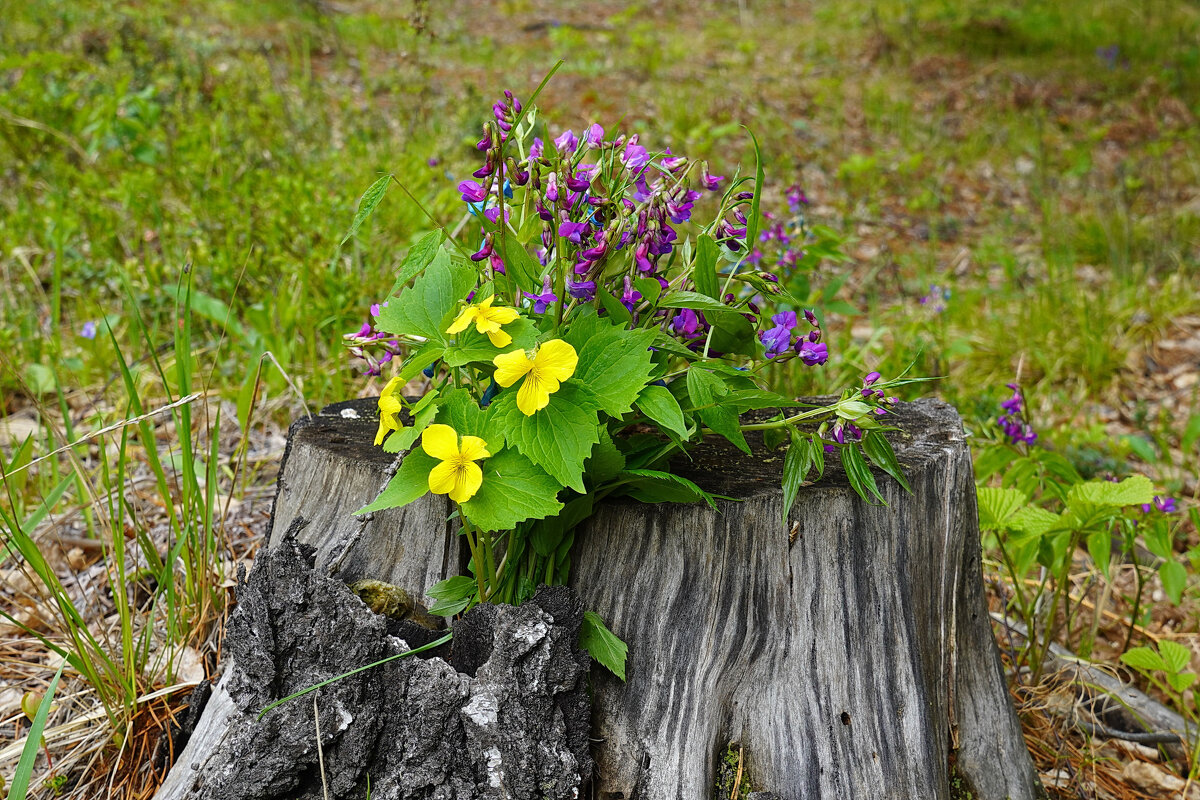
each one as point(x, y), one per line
point(364, 343)
point(779, 340)
point(1016, 429)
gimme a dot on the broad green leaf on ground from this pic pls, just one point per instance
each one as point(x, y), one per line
point(661, 406)
point(614, 363)
point(419, 256)
point(1175, 656)
point(997, 506)
point(473, 346)
point(366, 206)
point(425, 308)
point(411, 482)
point(1134, 490)
point(705, 273)
point(1174, 579)
point(602, 644)
point(558, 438)
point(1143, 658)
point(514, 489)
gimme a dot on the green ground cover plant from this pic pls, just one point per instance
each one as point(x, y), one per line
point(995, 194)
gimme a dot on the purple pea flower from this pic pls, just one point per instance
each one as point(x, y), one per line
point(537, 148)
point(573, 231)
point(630, 296)
point(583, 290)
point(493, 214)
point(594, 136)
point(472, 192)
point(708, 180)
point(635, 156)
point(686, 323)
point(1167, 505)
point(812, 353)
point(567, 142)
point(779, 339)
point(542, 301)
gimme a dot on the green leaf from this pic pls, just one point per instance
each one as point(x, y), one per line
point(419, 256)
point(1099, 545)
point(656, 486)
point(1141, 448)
point(752, 219)
point(1144, 659)
point(616, 311)
point(795, 464)
point(33, 739)
point(460, 411)
point(602, 644)
point(817, 454)
point(1034, 521)
point(558, 438)
point(411, 482)
point(748, 399)
point(521, 267)
point(1134, 490)
point(452, 595)
point(1174, 580)
point(547, 536)
point(991, 460)
point(423, 414)
point(650, 289)
point(1191, 434)
point(423, 308)
point(614, 363)
point(705, 274)
point(733, 333)
point(705, 389)
point(1181, 681)
point(861, 478)
point(997, 506)
point(514, 489)
point(605, 462)
point(426, 355)
point(367, 204)
point(471, 346)
point(1175, 656)
point(692, 300)
point(880, 451)
point(661, 406)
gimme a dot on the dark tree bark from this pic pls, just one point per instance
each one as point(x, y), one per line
point(847, 654)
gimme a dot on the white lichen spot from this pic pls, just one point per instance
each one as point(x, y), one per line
point(531, 634)
point(482, 709)
point(494, 770)
point(349, 413)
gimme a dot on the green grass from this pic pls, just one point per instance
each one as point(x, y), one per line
point(222, 147)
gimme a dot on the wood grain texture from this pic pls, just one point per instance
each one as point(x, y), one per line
point(848, 652)
point(330, 470)
point(849, 662)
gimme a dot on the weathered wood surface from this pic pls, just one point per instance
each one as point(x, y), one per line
point(848, 653)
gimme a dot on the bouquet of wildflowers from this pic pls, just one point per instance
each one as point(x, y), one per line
point(590, 331)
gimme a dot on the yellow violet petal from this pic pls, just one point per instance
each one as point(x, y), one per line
point(389, 409)
point(442, 477)
point(499, 338)
point(510, 367)
point(467, 480)
point(473, 448)
point(534, 395)
point(441, 442)
point(556, 359)
point(464, 320)
point(503, 314)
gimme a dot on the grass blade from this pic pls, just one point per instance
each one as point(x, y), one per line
point(20, 782)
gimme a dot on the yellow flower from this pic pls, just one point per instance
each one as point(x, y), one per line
point(458, 475)
point(551, 364)
point(389, 409)
point(487, 320)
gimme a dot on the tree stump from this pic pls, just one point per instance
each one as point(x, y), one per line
point(846, 654)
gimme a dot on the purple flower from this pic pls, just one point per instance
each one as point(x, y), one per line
point(630, 296)
point(1015, 428)
point(635, 156)
point(537, 148)
point(686, 323)
point(472, 192)
point(566, 142)
point(88, 329)
point(779, 339)
point(812, 354)
point(936, 299)
point(497, 263)
point(573, 231)
point(543, 300)
point(796, 198)
point(552, 187)
point(709, 181)
point(594, 136)
point(493, 214)
point(485, 249)
point(583, 290)
point(433, 161)
point(1167, 505)
point(871, 378)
